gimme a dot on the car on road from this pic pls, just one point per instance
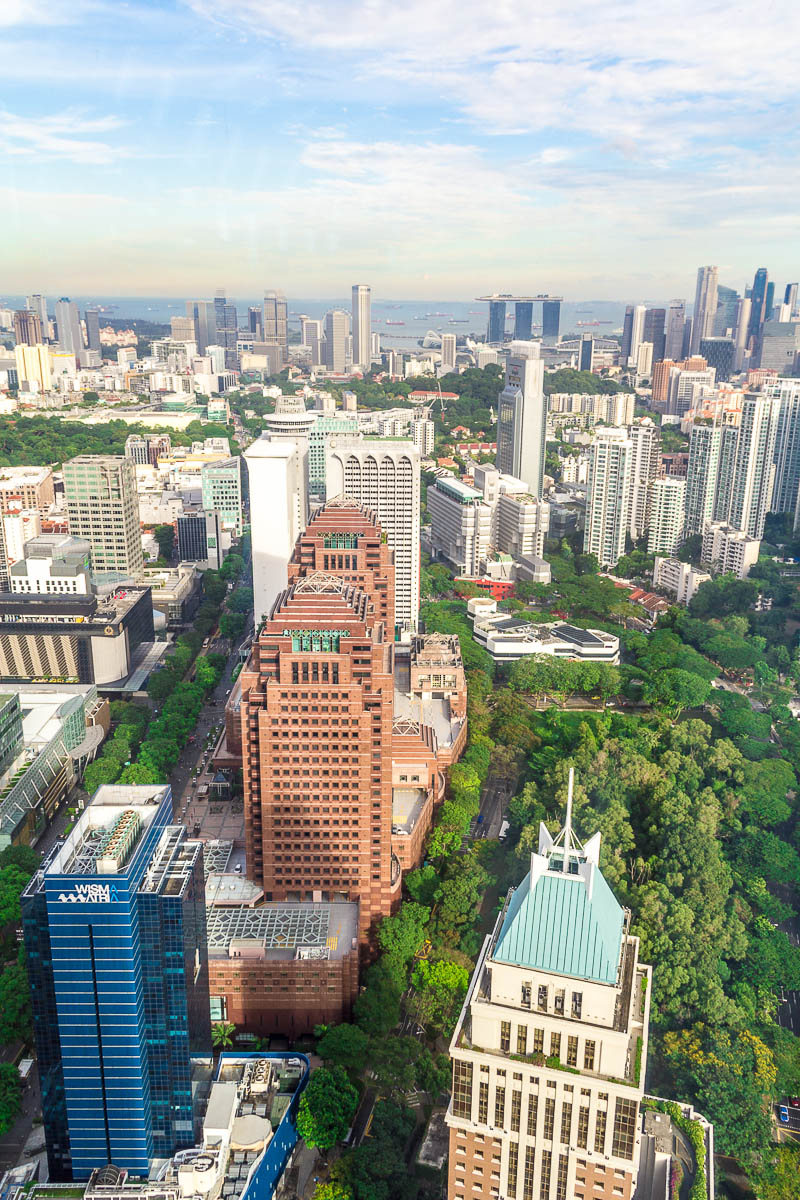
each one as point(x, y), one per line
point(783, 1114)
point(794, 1102)
point(504, 828)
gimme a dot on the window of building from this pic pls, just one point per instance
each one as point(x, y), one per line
point(577, 1004)
point(588, 1056)
point(516, 1110)
point(542, 997)
point(547, 1165)
point(483, 1103)
point(462, 1089)
point(624, 1135)
point(566, 1122)
point(559, 1001)
point(526, 995)
point(513, 1160)
point(505, 1036)
point(555, 1045)
point(522, 1039)
point(583, 1128)
point(527, 1183)
point(600, 1132)
point(533, 1112)
point(572, 1052)
point(549, 1118)
point(561, 1177)
point(538, 1041)
point(499, 1105)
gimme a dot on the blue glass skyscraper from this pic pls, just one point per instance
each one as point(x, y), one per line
point(115, 935)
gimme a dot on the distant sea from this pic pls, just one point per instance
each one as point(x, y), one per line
point(408, 320)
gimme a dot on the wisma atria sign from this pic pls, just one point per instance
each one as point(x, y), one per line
point(90, 893)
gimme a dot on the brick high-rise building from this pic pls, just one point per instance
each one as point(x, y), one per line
point(343, 538)
point(316, 720)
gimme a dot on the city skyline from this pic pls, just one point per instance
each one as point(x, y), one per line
point(309, 135)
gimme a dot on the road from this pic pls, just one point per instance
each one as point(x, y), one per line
point(789, 1011)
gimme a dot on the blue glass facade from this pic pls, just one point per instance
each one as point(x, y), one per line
point(496, 329)
point(119, 979)
point(551, 320)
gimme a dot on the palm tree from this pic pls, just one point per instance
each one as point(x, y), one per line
point(222, 1034)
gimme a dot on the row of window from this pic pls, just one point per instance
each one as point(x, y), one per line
point(554, 1048)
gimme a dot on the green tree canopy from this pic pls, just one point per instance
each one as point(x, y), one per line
point(327, 1107)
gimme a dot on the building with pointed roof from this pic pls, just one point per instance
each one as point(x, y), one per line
point(550, 1049)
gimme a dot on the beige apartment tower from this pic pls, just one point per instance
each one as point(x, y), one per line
point(103, 508)
point(550, 1049)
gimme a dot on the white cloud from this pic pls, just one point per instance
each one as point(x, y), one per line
point(61, 135)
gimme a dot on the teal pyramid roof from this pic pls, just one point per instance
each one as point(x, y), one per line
point(566, 923)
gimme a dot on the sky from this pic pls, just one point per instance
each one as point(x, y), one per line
point(431, 148)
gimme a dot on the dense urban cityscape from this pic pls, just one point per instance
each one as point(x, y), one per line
point(426, 704)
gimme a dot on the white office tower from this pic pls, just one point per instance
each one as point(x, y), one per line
point(276, 322)
point(103, 508)
point(277, 473)
point(645, 462)
point(461, 524)
point(362, 326)
point(786, 393)
point(644, 360)
point(666, 515)
point(547, 1074)
point(336, 335)
point(729, 550)
point(744, 307)
point(673, 332)
point(638, 313)
point(522, 417)
point(754, 467)
point(608, 496)
point(522, 524)
point(385, 476)
point(448, 352)
point(70, 337)
point(38, 303)
point(702, 472)
point(485, 356)
point(705, 306)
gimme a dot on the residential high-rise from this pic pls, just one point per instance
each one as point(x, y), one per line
point(68, 323)
point(103, 508)
point(645, 462)
point(222, 491)
point(786, 393)
point(701, 476)
point(550, 1051)
point(654, 331)
point(335, 346)
point(362, 326)
point(719, 353)
point(318, 783)
point(729, 550)
point(448, 351)
point(276, 322)
point(276, 473)
point(148, 449)
point(115, 934)
point(92, 318)
point(38, 304)
point(705, 306)
point(667, 505)
point(384, 475)
point(673, 332)
point(28, 328)
point(522, 417)
point(608, 495)
point(754, 465)
point(758, 302)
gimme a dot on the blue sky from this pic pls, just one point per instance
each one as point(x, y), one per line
point(432, 148)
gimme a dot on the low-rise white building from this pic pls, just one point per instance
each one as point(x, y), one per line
point(672, 575)
point(729, 550)
point(508, 638)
